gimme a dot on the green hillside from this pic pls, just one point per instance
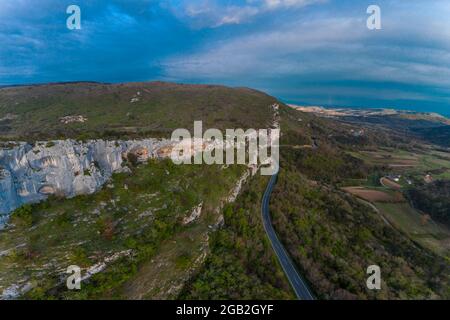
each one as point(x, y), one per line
point(126, 110)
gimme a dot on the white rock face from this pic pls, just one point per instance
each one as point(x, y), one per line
point(237, 188)
point(195, 214)
point(8, 197)
point(65, 167)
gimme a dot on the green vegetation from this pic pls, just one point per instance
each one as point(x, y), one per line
point(415, 163)
point(429, 127)
point(439, 135)
point(242, 264)
point(332, 236)
point(419, 227)
point(413, 168)
point(432, 199)
point(127, 110)
point(333, 239)
point(326, 164)
point(23, 216)
point(143, 211)
point(140, 213)
point(138, 219)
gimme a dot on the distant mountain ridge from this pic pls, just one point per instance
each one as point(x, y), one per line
point(431, 127)
point(49, 83)
point(371, 112)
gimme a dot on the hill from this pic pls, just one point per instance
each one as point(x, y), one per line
point(85, 110)
point(437, 135)
point(160, 231)
point(433, 199)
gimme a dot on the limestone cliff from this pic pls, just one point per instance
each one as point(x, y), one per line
point(30, 173)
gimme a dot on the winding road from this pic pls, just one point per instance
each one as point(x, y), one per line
point(297, 282)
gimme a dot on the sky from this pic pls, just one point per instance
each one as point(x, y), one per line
point(312, 52)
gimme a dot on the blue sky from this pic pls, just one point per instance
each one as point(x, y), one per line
point(316, 52)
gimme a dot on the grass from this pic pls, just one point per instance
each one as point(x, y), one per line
point(372, 195)
point(141, 212)
point(415, 164)
point(333, 238)
point(175, 261)
point(427, 232)
point(388, 157)
point(162, 107)
point(241, 264)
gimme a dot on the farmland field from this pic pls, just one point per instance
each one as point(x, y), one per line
point(424, 231)
point(411, 167)
point(413, 163)
point(390, 184)
point(374, 195)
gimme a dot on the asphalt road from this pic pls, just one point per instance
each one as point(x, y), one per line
point(297, 282)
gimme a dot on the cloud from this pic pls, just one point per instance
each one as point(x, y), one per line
point(332, 56)
point(237, 15)
point(337, 47)
point(273, 52)
point(275, 4)
point(214, 13)
point(14, 71)
point(302, 49)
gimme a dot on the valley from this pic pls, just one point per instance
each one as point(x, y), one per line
point(351, 192)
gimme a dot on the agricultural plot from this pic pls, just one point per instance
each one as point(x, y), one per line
point(372, 195)
point(416, 164)
point(388, 183)
point(417, 226)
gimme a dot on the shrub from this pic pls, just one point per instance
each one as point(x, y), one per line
point(23, 215)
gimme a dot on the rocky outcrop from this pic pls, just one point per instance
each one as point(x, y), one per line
point(8, 196)
point(30, 173)
point(73, 119)
point(195, 214)
point(68, 168)
point(237, 188)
